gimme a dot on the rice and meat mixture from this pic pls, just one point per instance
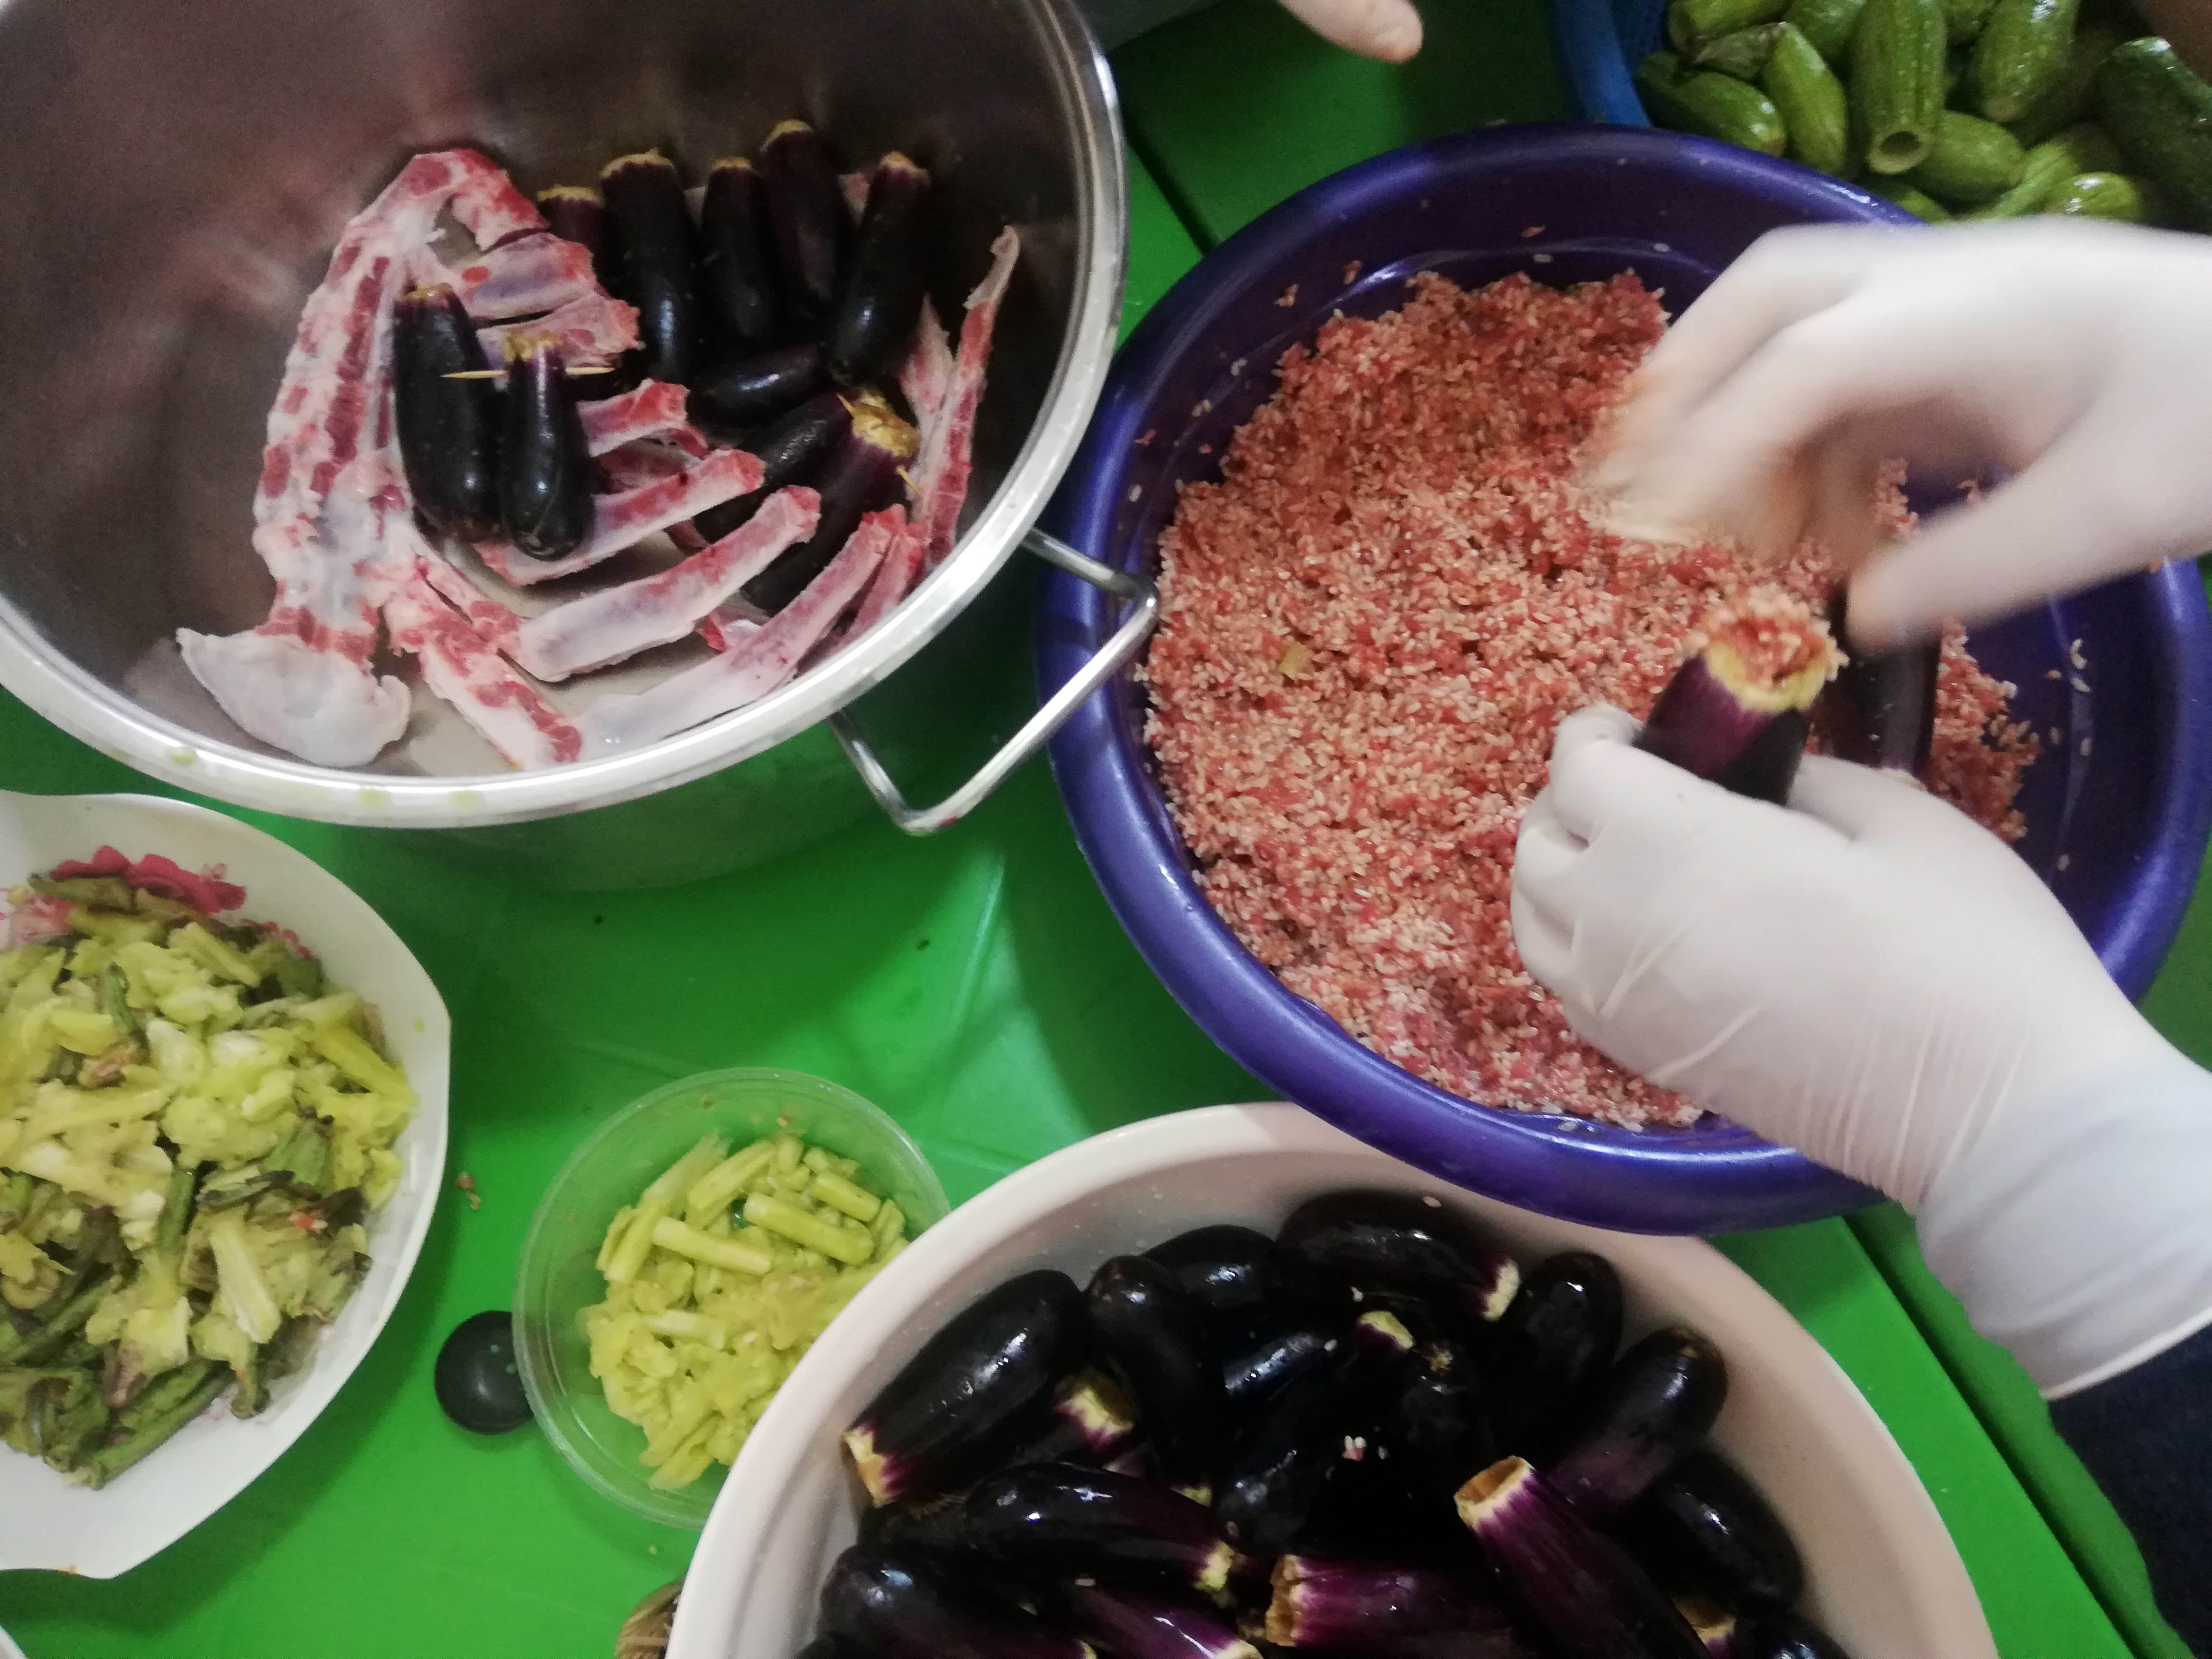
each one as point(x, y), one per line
point(1371, 627)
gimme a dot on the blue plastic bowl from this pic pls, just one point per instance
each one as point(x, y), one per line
point(2128, 821)
point(1600, 42)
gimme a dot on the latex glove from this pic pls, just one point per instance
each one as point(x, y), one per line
point(1872, 977)
point(1387, 29)
point(2076, 355)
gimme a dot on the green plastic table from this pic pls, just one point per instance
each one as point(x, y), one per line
point(976, 987)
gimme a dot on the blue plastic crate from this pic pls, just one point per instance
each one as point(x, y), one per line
point(1600, 42)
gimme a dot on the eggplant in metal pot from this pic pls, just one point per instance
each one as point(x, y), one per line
point(655, 264)
point(447, 412)
point(806, 216)
point(880, 299)
point(545, 465)
point(736, 264)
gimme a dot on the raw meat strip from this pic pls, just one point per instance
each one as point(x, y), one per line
point(652, 409)
point(460, 667)
point(593, 331)
point(723, 626)
point(622, 520)
point(617, 622)
point(925, 372)
point(644, 462)
point(301, 681)
point(941, 470)
point(761, 661)
point(534, 273)
point(894, 577)
point(498, 625)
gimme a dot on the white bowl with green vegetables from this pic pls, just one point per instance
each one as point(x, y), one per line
point(685, 1259)
point(222, 1129)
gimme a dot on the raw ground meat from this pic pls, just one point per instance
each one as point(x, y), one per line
point(1371, 627)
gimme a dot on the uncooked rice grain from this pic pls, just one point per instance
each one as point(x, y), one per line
point(1371, 627)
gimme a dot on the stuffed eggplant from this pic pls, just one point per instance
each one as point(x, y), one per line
point(447, 410)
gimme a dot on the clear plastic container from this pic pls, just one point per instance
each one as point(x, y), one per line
point(558, 1276)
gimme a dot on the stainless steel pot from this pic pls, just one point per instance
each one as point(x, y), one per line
point(177, 176)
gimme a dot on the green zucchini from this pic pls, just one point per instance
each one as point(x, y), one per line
point(2162, 114)
point(1963, 19)
point(2082, 149)
point(2070, 95)
point(1743, 54)
point(1815, 111)
point(1828, 24)
point(2104, 196)
point(1711, 105)
point(1897, 80)
point(1918, 203)
point(1974, 161)
point(2020, 54)
point(1693, 23)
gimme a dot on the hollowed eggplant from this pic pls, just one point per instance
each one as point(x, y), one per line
point(578, 213)
point(1579, 1587)
point(1714, 1624)
point(863, 474)
point(1302, 1344)
point(1152, 1334)
point(1704, 1529)
point(448, 428)
point(1050, 1520)
point(749, 392)
point(1132, 1625)
point(1659, 1400)
point(1880, 710)
point(545, 465)
point(879, 299)
point(907, 1607)
point(1092, 1420)
point(1787, 1636)
point(654, 262)
point(975, 1390)
point(806, 216)
point(1228, 1270)
point(936, 1526)
point(1380, 1608)
point(791, 451)
point(736, 264)
point(1557, 1338)
point(1371, 1243)
point(1437, 1423)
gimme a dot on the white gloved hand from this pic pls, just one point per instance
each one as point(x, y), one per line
point(1387, 29)
point(2077, 357)
point(1873, 978)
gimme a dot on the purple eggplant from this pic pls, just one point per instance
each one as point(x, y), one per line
point(1439, 1421)
point(1228, 1270)
point(1561, 1332)
point(806, 216)
point(1579, 1586)
point(1382, 1607)
point(448, 426)
point(1735, 713)
point(1659, 1400)
point(1131, 1624)
point(793, 451)
point(1369, 1245)
point(747, 393)
point(1703, 1529)
point(1275, 1483)
point(655, 267)
point(879, 299)
point(1880, 710)
point(975, 1390)
point(1050, 1520)
point(1289, 1350)
point(736, 264)
point(935, 1526)
point(1152, 1334)
point(1091, 1420)
point(907, 1607)
point(579, 214)
point(1787, 1636)
point(1713, 1625)
point(545, 465)
point(823, 1647)
point(864, 473)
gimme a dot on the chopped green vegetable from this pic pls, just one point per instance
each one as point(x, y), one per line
point(193, 1126)
point(705, 1317)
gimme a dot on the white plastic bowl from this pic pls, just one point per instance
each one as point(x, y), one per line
point(44, 1521)
point(1884, 1576)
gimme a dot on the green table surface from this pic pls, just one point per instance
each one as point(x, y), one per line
point(975, 986)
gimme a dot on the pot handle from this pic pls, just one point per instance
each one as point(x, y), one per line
point(1136, 628)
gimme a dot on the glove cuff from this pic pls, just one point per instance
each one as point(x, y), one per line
point(2080, 1238)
